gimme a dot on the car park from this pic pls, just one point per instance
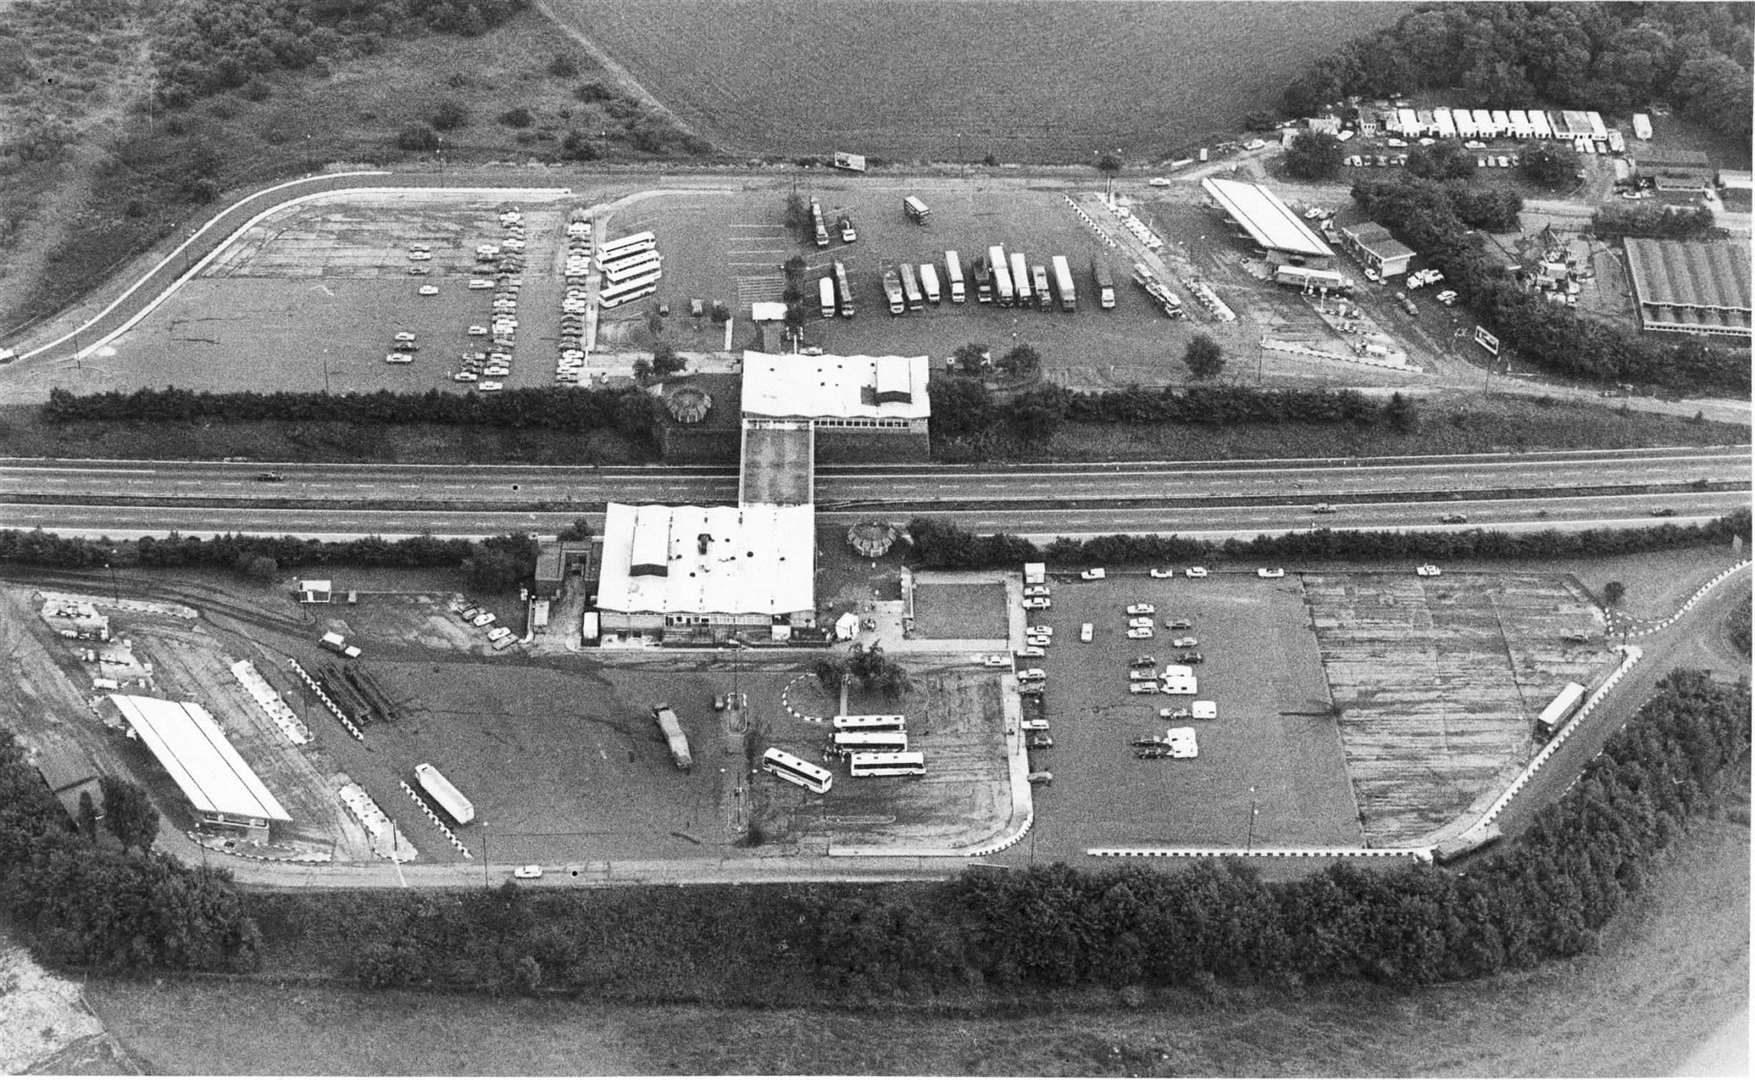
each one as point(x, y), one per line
point(1141, 609)
point(1161, 572)
point(1196, 571)
point(1270, 572)
point(1428, 570)
point(527, 873)
point(1096, 573)
point(1142, 687)
point(1185, 643)
point(483, 619)
point(1140, 633)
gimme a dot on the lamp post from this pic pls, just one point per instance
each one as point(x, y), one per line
point(484, 855)
point(1254, 809)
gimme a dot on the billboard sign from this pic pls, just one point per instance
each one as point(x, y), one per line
point(1486, 341)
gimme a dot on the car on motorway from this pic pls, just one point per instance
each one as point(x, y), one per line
point(1178, 624)
point(1185, 643)
point(1134, 624)
point(270, 478)
point(1663, 511)
point(1142, 687)
point(1428, 570)
point(1096, 573)
point(1270, 572)
point(1041, 641)
point(1140, 633)
point(1162, 572)
point(499, 633)
point(1033, 652)
point(419, 271)
point(1190, 658)
point(1035, 723)
point(1141, 609)
point(996, 660)
point(527, 872)
point(428, 290)
point(1085, 631)
point(1040, 631)
point(1035, 590)
point(420, 256)
point(1322, 508)
point(1173, 713)
point(1196, 571)
point(483, 619)
point(1040, 742)
point(1453, 519)
point(1142, 673)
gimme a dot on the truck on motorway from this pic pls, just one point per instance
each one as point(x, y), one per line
point(910, 287)
point(826, 296)
point(954, 278)
point(1063, 284)
point(845, 224)
point(893, 291)
point(1020, 268)
point(337, 644)
point(843, 291)
point(916, 210)
point(982, 271)
point(1039, 283)
point(673, 735)
point(443, 792)
point(816, 222)
point(929, 283)
point(1105, 284)
point(1001, 274)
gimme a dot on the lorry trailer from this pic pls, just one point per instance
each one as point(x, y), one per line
point(673, 735)
point(954, 278)
point(443, 792)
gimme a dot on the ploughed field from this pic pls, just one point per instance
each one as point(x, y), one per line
point(1030, 82)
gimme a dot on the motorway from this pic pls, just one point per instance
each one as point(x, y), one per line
point(1543, 490)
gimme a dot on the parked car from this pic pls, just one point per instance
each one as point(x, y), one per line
point(1178, 624)
point(1173, 713)
point(1270, 572)
point(1196, 571)
point(1035, 590)
point(428, 290)
point(1043, 631)
point(477, 331)
point(1162, 572)
point(1138, 622)
point(499, 633)
point(1041, 641)
point(1040, 742)
point(1158, 181)
point(1142, 687)
point(996, 660)
point(1140, 633)
point(1034, 674)
point(1141, 609)
point(1085, 631)
point(1190, 658)
point(527, 872)
point(465, 376)
point(1185, 642)
point(1428, 570)
point(1145, 660)
point(1096, 573)
point(1033, 652)
point(1142, 673)
point(1037, 603)
point(1035, 723)
point(483, 619)
point(1041, 776)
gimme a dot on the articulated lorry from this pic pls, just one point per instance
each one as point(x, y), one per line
point(1063, 284)
point(843, 291)
point(954, 278)
point(1020, 270)
point(1039, 283)
point(1105, 285)
point(673, 735)
point(910, 287)
point(982, 270)
point(433, 782)
point(893, 291)
point(816, 222)
point(1001, 275)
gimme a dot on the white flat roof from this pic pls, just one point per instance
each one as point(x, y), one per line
point(758, 559)
point(191, 747)
point(1266, 217)
point(841, 387)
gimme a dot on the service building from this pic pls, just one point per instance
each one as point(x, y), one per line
point(1691, 288)
point(1373, 246)
point(1263, 217)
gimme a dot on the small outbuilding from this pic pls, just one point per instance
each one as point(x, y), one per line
point(316, 591)
point(847, 627)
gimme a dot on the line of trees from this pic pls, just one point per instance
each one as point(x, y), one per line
point(1612, 57)
point(940, 545)
point(1435, 219)
point(1546, 895)
point(563, 408)
point(1655, 221)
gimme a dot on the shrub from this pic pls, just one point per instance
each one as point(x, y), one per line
point(418, 138)
point(448, 115)
point(517, 117)
point(563, 67)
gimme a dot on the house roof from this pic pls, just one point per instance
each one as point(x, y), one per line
point(1376, 239)
point(1266, 217)
point(192, 748)
point(757, 559)
point(836, 387)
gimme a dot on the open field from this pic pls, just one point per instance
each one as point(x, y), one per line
point(1671, 975)
point(945, 610)
point(1022, 81)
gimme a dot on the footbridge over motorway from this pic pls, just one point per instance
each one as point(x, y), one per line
point(778, 462)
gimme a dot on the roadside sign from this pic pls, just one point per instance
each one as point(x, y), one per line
point(1486, 341)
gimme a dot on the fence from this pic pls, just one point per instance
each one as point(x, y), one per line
point(328, 703)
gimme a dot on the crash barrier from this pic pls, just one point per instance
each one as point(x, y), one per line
point(1210, 300)
point(1096, 230)
point(265, 695)
point(1417, 854)
point(434, 818)
point(1688, 605)
point(328, 703)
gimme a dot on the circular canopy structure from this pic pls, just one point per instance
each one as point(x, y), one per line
point(871, 538)
point(688, 404)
